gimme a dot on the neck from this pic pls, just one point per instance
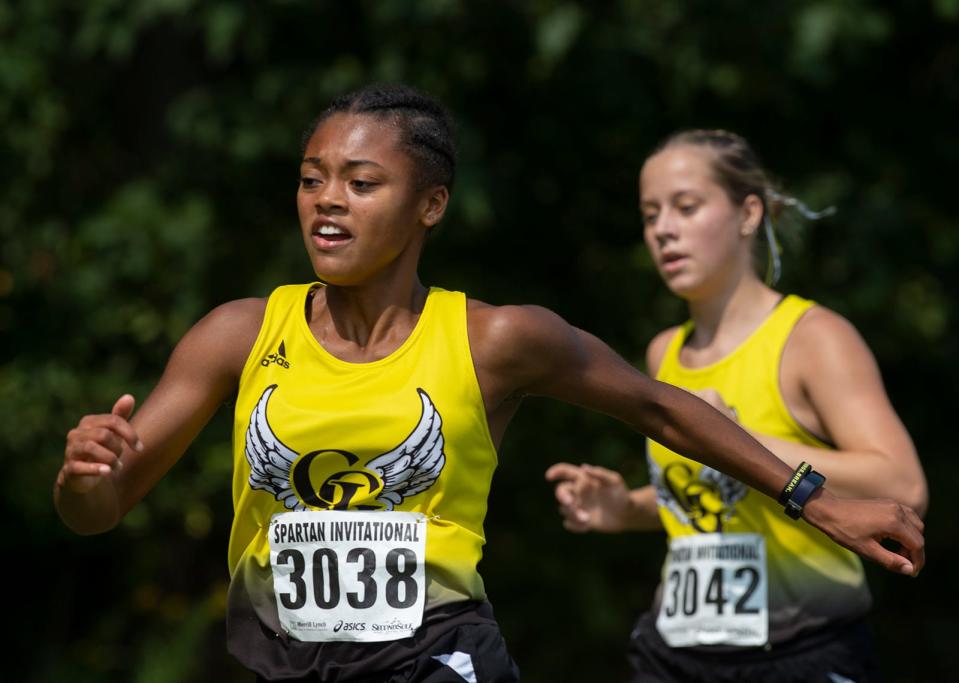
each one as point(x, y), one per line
point(368, 315)
point(731, 312)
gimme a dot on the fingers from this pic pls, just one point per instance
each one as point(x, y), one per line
point(562, 470)
point(123, 409)
point(124, 406)
point(565, 493)
point(81, 468)
point(117, 421)
point(604, 476)
point(915, 519)
point(900, 524)
point(909, 535)
point(98, 445)
point(572, 481)
point(111, 431)
point(95, 445)
point(573, 505)
point(572, 489)
point(889, 560)
point(862, 526)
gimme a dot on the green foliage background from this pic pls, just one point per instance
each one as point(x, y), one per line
point(148, 158)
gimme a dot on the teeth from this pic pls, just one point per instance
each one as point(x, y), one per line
point(331, 230)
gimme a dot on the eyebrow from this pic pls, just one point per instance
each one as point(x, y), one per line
point(673, 196)
point(352, 163)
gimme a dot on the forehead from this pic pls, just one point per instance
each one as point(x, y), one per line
point(350, 137)
point(678, 168)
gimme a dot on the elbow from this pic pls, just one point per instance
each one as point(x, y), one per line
point(917, 497)
point(913, 492)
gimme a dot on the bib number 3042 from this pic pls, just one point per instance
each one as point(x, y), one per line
point(355, 576)
point(714, 591)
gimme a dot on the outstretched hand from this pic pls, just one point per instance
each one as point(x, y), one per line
point(863, 525)
point(95, 445)
point(590, 498)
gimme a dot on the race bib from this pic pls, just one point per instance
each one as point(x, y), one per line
point(356, 576)
point(714, 591)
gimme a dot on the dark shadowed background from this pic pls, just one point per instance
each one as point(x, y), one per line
point(148, 159)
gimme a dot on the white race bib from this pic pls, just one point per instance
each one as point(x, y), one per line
point(714, 591)
point(345, 575)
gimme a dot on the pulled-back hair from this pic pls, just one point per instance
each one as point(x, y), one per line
point(425, 127)
point(736, 168)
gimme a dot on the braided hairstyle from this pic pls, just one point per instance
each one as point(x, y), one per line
point(425, 127)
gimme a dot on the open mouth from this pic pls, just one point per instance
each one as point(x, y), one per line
point(671, 262)
point(327, 235)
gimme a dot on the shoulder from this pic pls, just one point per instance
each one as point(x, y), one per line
point(240, 317)
point(824, 344)
point(512, 323)
point(524, 335)
point(225, 336)
point(521, 343)
point(823, 331)
point(657, 349)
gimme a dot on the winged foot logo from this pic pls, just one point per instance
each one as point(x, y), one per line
point(317, 480)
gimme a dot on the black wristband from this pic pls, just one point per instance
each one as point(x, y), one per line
point(801, 493)
point(800, 474)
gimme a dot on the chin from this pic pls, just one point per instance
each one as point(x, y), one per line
point(678, 282)
point(684, 287)
point(340, 277)
point(334, 279)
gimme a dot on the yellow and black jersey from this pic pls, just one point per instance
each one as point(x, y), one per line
point(811, 580)
point(406, 433)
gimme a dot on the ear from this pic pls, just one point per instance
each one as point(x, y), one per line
point(434, 206)
point(752, 215)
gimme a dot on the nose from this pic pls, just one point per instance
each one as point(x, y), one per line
point(331, 197)
point(664, 227)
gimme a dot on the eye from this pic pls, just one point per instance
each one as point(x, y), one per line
point(688, 209)
point(363, 185)
point(308, 183)
point(650, 217)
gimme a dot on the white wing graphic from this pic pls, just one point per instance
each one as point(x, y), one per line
point(270, 460)
point(731, 490)
point(416, 463)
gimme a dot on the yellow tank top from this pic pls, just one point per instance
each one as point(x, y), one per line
point(812, 581)
point(309, 429)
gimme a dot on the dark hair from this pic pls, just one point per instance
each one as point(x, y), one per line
point(424, 125)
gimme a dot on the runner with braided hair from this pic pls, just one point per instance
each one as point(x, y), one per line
point(368, 411)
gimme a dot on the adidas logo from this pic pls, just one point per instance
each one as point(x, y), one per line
point(279, 357)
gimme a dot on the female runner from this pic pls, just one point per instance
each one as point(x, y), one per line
point(747, 595)
point(368, 409)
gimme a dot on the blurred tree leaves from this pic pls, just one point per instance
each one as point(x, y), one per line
point(148, 153)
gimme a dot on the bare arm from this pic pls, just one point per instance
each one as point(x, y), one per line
point(112, 461)
point(832, 382)
point(536, 352)
point(593, 498)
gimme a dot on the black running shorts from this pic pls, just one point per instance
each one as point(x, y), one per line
point(836, 654)
point(460, 645)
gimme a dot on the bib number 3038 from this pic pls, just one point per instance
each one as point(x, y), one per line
point(355, 576)
point(714, 591)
